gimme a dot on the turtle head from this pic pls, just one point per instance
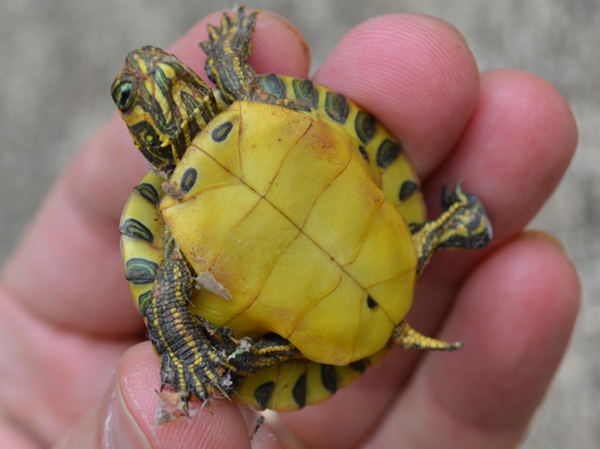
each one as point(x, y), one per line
point(164, 104)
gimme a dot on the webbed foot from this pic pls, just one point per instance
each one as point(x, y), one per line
point(463, 225)
point(227, 52)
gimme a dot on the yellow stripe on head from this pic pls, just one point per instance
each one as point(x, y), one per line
point(164, 104)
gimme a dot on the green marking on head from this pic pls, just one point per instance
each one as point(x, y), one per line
point(164, 104)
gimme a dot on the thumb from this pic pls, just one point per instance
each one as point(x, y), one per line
point(125, 418)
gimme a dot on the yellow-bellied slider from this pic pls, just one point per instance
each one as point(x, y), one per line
point(296, 212)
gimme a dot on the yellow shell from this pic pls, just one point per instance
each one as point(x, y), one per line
point(280, 208)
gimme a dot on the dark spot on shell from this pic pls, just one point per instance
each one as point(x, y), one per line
point(387, 152)
point(364, 153)
point(273, 85)
point(144, 301)
point(336, 107)
point(298, 107)
point(140, 271)
point(189, 178)
point(263, 393)
point(136, 229)
point(306, 92)
point(299, 391)
point(407, 190)
point(364, 124)
point(221, 132)
point(359, 366)
point(371, 302)
point(148, 192)
point(329, 378)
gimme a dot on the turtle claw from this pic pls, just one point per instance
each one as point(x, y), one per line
point(172, 407)
point(202, 375)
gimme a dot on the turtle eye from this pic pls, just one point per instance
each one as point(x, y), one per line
point(122, 94)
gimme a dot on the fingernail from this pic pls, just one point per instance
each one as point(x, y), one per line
point(121, 431)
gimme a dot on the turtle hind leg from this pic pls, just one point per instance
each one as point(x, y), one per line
point(267, 351)
point(463, 225)
point(248, 357)
point(407, 337)
point(190, 362)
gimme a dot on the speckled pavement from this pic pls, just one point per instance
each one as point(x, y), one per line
point(58, 58)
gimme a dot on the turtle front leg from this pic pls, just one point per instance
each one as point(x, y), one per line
point(227, 52)
point(190, 362)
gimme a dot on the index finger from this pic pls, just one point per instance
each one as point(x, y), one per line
point(416, 74)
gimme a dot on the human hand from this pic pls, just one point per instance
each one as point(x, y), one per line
point(67, 315)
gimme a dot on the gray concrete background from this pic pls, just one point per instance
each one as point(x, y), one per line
point(58, 58)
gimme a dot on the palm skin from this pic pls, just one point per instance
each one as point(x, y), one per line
point(67, 319)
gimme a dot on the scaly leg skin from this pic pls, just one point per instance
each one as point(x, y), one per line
point(463, 225)
point(190, 363)
point(247, 356)
point(227, 50)
point(407, 337)
point(268, 351)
